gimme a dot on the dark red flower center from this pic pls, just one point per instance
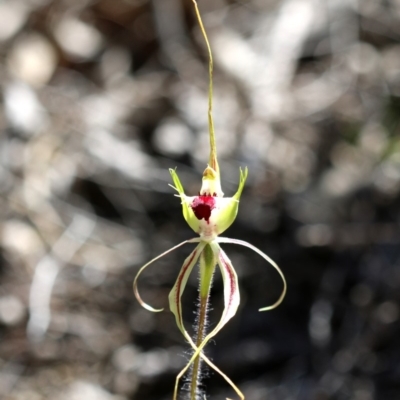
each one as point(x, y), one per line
point(202, 206)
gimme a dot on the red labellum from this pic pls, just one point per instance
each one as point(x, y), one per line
point(202, 206)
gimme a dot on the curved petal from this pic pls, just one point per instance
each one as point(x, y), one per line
point(231, 287)
point(232, 300)
point(135, 288)
point(263, 255)
point(176, 293)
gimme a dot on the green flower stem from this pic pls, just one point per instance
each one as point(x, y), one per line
point(213, 147)
point(207, 267)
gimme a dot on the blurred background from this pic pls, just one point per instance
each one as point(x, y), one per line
point(100, 97)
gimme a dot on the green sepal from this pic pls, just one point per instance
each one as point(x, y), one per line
point(187, 211)
point(228, 212)
point(242, 181)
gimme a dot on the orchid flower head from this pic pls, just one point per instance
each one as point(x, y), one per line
point(209, 214)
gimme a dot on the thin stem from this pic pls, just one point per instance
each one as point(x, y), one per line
point(200, 334)
point(207, 267)
point(213, 147)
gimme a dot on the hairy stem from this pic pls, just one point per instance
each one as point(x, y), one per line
point(207, 267)
point(200, 334)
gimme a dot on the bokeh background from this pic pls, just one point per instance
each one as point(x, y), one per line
point(100, 97)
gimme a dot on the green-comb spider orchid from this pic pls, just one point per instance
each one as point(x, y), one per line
point(209, 214)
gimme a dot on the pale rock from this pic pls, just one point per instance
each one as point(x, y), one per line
point(12, 17)
point(23, 109)
point(12, 310)
point(172, 137)
point(78, 39)
point(33, 60)
point(20, 238)
point(82, 390)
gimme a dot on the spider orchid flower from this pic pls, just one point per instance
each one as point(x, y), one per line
point(209, 214)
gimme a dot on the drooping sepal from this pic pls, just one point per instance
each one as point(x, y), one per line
point(175, 295)
point(265, 257)
point(135, 281)
point(231, 286)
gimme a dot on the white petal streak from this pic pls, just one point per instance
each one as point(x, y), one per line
point(231, 287)
point(270, 260)
point(176, 293)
